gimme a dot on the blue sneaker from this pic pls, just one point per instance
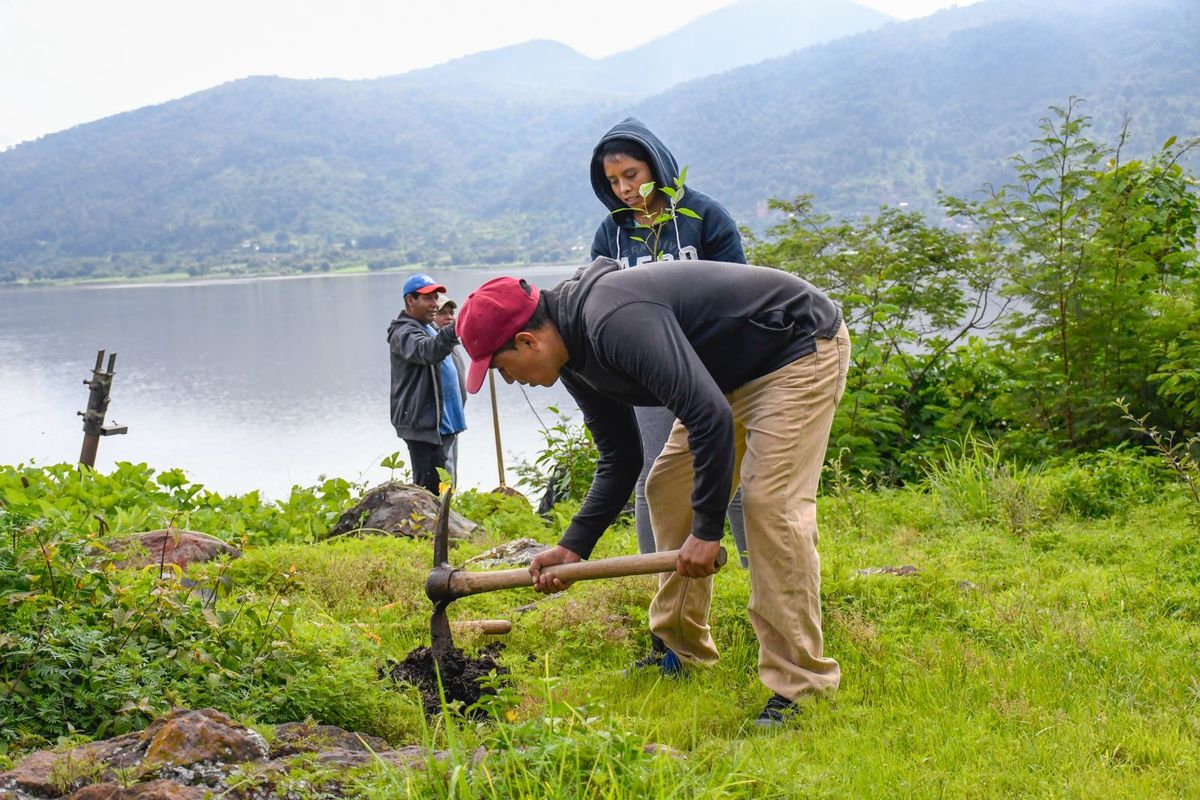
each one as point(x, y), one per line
point(670, 666)
point(660, 657)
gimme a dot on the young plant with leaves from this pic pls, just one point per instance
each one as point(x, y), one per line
point(653, 222)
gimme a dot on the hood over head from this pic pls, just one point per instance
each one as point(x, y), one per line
point(662, 162)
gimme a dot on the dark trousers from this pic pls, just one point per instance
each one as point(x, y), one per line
point(426, 459)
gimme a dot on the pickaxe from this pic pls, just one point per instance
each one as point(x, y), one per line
point(446, 583)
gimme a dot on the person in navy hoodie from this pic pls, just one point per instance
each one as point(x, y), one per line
point(626, 158)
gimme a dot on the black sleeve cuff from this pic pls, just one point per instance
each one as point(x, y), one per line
point(707, 526)
point(578, 540)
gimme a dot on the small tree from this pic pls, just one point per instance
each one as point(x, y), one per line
point(910, 294)
point(1099, 249)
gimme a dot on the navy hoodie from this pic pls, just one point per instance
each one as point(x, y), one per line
point(713, 237)
point(659, 337)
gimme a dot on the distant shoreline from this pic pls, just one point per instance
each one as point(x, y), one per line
point(182, 279)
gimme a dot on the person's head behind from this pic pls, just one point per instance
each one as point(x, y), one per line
point(627, 166)
point(504, 325)
point(445, 312)
point(420, 297)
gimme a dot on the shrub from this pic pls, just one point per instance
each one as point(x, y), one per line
point(1104, 483)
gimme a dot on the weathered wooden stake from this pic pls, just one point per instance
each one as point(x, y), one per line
point(97, 407)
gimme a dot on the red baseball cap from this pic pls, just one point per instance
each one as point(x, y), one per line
point(492, 315)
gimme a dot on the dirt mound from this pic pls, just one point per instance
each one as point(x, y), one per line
point(460, 675)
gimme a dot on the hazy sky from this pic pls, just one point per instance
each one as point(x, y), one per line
point(64, 62)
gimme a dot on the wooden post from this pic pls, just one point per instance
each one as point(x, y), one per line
point(93, 418)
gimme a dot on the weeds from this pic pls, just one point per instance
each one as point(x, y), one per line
point(847, 488)
point(565, 465)
point(976, 483)
point(1178, 457)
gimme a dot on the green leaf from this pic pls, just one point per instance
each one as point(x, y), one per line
point(687, 212)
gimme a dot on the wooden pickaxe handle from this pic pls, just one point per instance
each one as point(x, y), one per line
point(464, 583)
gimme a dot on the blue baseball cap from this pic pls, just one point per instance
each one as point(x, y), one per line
point(422, 284)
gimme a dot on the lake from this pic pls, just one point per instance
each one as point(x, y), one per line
point(247, 384)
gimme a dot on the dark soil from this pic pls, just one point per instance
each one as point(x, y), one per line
point(460, 675)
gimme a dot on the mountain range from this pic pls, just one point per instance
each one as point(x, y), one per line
point(484, 159)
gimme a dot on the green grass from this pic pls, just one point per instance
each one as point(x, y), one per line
point(1061, 662)
point(1057, 658)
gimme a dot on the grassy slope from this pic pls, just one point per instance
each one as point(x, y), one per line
point(1066, 666)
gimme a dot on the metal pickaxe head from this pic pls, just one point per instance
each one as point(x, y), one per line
point(442, 588)
point(437, 585)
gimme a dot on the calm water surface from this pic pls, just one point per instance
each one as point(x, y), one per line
point(255, 384)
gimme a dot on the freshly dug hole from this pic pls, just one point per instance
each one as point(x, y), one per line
point(460, 675)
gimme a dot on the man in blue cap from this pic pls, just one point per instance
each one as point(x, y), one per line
point(417, 351)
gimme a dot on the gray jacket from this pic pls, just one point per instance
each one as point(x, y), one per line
point(416, 401)
point(682, 334)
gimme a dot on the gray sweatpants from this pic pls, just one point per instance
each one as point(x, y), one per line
point(654, 424)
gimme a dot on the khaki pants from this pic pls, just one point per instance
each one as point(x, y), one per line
point(781, 430)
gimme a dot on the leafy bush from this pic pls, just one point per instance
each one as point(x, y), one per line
point(133, 498)
point(566, 463)
point(975, 482)
point(1101, 484)
point(504, 516)
point(90, 648)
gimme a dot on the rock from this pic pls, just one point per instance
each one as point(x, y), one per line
point(306, 737)
point(168, 546)
point(119, 752)
point(195, 744)
point(343, 758)
point(656, 749)
point(32, 775)
point(517, 553)
point(967, 586)
point(99, 791)
point(189, 755)
point(166, 790)
point(399, 509)
point(412, 757)
point(907, 569)
point(154, 790)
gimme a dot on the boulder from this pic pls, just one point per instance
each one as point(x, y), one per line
point(193, 740)
point(168, 546)
point(154, 790)
point(32, 776)
point(399, 509)
point(195, 746)
point(188, 755)
point(307, 737)
point(517, 553)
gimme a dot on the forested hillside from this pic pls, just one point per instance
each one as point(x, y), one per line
point(432, 168)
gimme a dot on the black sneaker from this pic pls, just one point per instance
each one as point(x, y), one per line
point(776, 712)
